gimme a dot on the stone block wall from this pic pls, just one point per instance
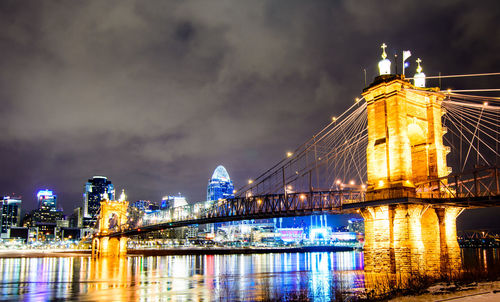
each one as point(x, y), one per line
point(411, 238)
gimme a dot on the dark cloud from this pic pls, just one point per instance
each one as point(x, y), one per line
point(156, 94)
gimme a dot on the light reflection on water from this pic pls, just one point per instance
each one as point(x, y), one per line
point(188, 278)
point(177, 278)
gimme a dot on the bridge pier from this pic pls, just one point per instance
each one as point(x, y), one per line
point(411, 238)
point(109, 246)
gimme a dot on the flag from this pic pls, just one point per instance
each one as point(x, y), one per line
point(406, 55)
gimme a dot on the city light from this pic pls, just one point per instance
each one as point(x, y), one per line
point(289, 154)
point(44, 193)
point(250, 181)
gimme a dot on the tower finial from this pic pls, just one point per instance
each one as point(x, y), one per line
point(419, 68)
point(419, 78)
point(384, 66)
point(384, 55)
point(123, 197)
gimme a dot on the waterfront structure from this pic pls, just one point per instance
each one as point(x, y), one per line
point(97, 188)
point(220, 185)
point(405, 147)
point(113, 215)
point(10, 209)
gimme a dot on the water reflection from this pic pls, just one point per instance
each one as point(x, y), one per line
point(190, 278)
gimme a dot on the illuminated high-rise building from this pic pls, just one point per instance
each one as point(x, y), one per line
point(45, 218)
point(168, 202)
point(220, 185)
point(46, 200)
point(10, 211)
point(96, 189)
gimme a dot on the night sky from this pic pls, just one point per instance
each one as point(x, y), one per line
point(155, 94)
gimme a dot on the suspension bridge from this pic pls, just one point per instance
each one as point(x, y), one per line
point(408, 159)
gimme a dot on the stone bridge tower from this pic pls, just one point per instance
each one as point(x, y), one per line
point(113, 218)
point(405, 146)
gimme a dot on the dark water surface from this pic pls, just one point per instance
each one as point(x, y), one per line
point(191, 278)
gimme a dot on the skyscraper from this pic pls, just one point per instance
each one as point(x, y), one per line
point(96, 189)
point(47, 211)
point(220, 185)
point(46, 200)
point(45, 218)
point(10, 210)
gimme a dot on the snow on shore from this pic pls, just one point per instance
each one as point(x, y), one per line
point(483, 291)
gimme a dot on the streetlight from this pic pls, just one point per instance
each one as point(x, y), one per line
point(289, 154)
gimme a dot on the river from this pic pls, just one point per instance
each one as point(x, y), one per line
point(253, 277)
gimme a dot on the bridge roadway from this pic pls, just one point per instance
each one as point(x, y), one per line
point(474, 189)
point(480, 189)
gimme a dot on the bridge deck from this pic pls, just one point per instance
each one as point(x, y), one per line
point(469, 203)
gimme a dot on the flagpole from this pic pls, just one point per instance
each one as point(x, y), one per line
point(403, 57)
point(406, 55)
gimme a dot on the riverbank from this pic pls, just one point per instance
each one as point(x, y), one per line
point(226, 251)
point(33, 253)
point(482, 291)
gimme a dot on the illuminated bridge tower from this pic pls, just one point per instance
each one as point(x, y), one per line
point(405, 146)
point(113, 218)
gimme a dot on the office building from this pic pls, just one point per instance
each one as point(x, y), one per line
point(97, 188)
point(220, 185)
point(10, 209)
point(46, 200)
point(168, 202)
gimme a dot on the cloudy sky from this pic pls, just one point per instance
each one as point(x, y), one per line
point(155, 94)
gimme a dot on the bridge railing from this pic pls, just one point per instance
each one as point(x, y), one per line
point(480, 182)
point(252, 207)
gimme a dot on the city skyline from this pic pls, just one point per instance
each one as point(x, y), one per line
point(192, 87)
